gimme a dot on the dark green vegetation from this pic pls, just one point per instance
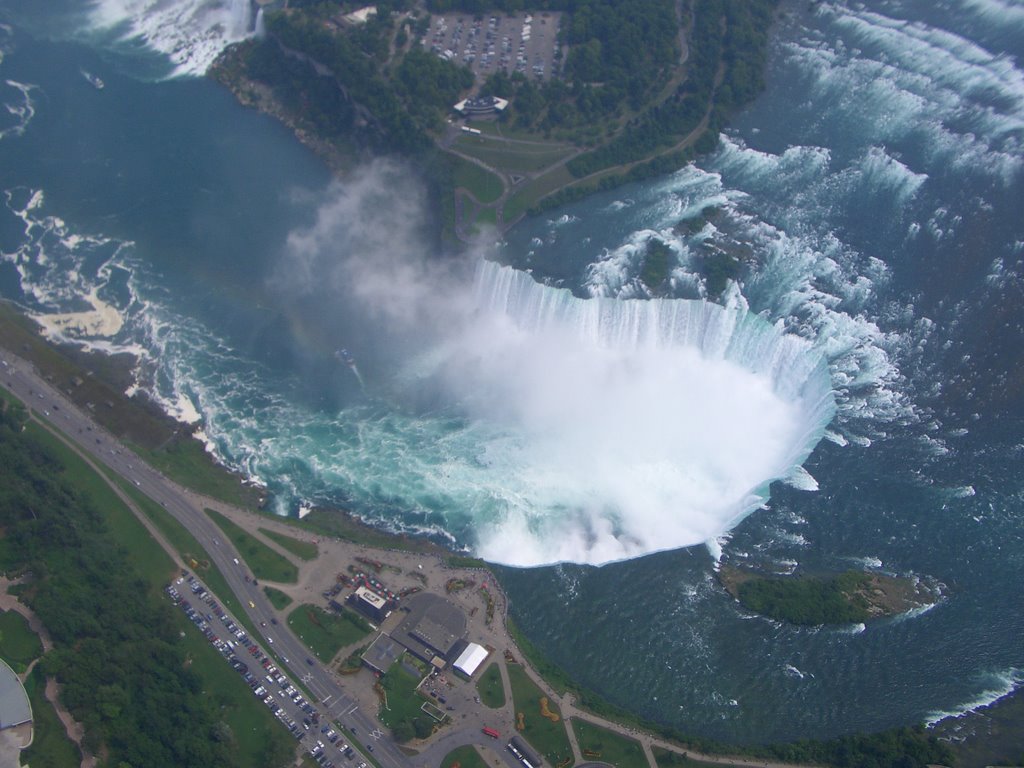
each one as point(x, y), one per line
point(546, 736)
point(843, 598)
point(398, 99)
point(19, 645)
point(97, 383)
point(277, 598)
point(326, 633)
point(265, 563)
point(607, 746)
point(896, 748)
point(403, 713)
point(464, 757)
point(658, 259)
point(95, 581)
point(304, 550)
point(830, 600)
point(626, 103)
point(490, 687)
point(179, 537)
point(51, 747)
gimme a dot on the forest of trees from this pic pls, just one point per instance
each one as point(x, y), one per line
point(808, 600)
point(398, 107)
point(733, 33)
point(116, 651)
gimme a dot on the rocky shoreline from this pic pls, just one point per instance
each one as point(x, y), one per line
point(228, 70)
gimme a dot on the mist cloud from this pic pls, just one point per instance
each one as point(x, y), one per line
point(587, 431)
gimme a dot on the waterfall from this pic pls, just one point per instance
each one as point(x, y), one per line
point(240, 18)
point(796, 370)
point(660, 423)
point(261, 29)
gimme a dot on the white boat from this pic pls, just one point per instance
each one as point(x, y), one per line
point(94, 81)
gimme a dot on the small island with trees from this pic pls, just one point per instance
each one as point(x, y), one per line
point(623, 90)
point(851, 597)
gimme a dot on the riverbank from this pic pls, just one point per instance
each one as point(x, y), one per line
point(580, 703)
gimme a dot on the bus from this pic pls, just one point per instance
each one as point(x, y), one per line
point(492, 733)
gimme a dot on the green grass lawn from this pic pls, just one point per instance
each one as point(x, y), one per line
point(305, 550)
point(529, 193)
point(490, 688)
point(403, 703)
point(485, 217)
point(514, 158)
point(277, 598)
point(257, 732)
point(608, 746)
point(51, 747)
point(265, 563)
point(326, 633)
point(188, 547)
point(19, 645)
point(465, 757)
point(547, 737)
point(482, 184)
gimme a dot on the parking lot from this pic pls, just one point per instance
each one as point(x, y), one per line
point(524, 43)
point(323, 741)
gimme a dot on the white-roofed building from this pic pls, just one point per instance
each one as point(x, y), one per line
point(470, 659)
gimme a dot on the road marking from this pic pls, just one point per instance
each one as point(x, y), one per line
point(376, 733)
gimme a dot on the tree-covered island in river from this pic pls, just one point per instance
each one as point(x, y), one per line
point(509, 108)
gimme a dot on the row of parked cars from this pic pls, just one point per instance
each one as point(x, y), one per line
point(230, 647)
point(262, 683)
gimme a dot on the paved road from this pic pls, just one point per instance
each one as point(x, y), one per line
point(22, 380)
point(333, 702)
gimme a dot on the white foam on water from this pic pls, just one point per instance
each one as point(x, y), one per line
point(998, 13)
point(191, 33)
point(102, 320)
point(962, 104)
point(23, 110)
point(641, 425)
point(994, 686)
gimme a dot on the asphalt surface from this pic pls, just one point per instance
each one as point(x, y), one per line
point(331, 700)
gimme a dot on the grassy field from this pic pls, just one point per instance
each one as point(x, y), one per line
point(188, 547)
point(403, 703)
point(277, 598)
point(304, 550)
point(482, 184)
point(265, 563)
point(257, 732)
point(530, 193)
point(607, 746)
point(326, 633)
point(464, 757)
point(51, 747)
point(547, 737)
point(490, 688)
point(521, 158)
point(19, 645)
